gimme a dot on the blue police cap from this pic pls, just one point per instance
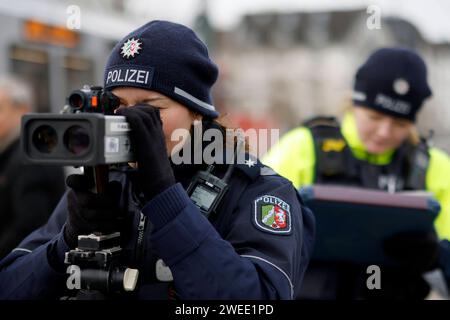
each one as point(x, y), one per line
point(392, 81)
point(168, 58)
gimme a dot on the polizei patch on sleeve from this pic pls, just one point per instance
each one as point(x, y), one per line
point(272, 215)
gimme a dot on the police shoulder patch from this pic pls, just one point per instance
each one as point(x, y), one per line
point(272, 214)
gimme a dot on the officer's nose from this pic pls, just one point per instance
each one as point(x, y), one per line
point(384, 129)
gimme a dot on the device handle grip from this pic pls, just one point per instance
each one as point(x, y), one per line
point(100, 176)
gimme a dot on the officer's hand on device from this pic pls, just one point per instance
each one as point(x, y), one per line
point(414, 251)
point(90, 212)
point(149, 147)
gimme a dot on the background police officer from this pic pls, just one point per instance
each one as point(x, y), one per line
point(376, 146)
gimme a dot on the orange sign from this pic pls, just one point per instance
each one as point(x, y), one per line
point(59, 36)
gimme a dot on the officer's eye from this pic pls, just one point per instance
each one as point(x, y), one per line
point(122, 103)
point(401, 124)
point(151, 102)
point(375, 117)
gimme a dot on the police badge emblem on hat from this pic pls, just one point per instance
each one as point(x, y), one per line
point(272, 214)
point(131, 48)
point(401, 86)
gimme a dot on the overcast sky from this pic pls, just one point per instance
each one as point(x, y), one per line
point(432, 17)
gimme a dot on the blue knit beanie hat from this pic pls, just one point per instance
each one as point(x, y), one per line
point(168, 58)
point(392, 81)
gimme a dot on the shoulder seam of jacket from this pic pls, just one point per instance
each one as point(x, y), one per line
point(275, 266)
point(21, 249)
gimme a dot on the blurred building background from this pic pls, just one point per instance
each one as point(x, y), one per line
point(281, 61)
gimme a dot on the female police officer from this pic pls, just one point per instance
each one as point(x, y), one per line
point(376, 145)
point(162, 74)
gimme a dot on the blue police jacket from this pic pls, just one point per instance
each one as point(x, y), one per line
point(258, 247)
